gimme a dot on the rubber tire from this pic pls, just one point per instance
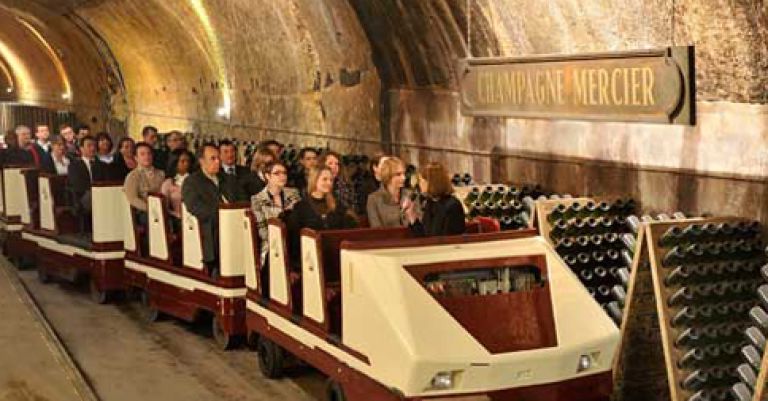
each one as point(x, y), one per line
point(149, 313)
point(271, 358)
point(98, 296)
point(334, 391)
point(43, 275)
point(223, 340)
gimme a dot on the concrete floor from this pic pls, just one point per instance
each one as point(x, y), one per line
point(125, 359)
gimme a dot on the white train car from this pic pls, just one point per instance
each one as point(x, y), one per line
point(387, 317)
point(167, 269)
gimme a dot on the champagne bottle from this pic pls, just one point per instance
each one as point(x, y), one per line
point(614, 312)
point(456, 180)
point(467, 179)
point(679, 275)
point(695, 380)
point(486, 194)
point(678, 215)
point(582, 242)
point(623, 275)
point(682, 296)
point(663, 217)
point(740, 392)
point(626, 257)
point(629, 241)
point(564, 245)
point(671, 237)
point(590, 209)
point(755, 337)
point(619, 294)
point(603, 208)
point(477, 209)
point(762, 295)
point(574, 210)
point(473, 196)
point(586, 276)
point(691, 359)
point(764, 272)
point(507, 223)
point(747, 375)
point(689, 337)
point(634, 224)
point(759, 318)
point(752, 356)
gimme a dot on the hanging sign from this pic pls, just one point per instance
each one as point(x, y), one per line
point(640, 86)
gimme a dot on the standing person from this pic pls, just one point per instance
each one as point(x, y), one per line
point(241, 174)
point(159, 157)
point(104, 148)
point(13, 154)
point(343, 190)
point(41, 149)
point(125, 158)
point(384, 206)
point(318, 211)
point(201, 194)
point(256, 180)
point(83, 171)
point(145, 178)
point(272, 202)
point(59, 155)
point(179, 166)
point(442, 213)
point(70, 142)
point(307, 161)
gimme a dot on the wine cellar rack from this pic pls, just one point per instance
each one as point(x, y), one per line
point(513, 206)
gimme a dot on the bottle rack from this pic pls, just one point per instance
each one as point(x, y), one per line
point(512, 205)
point(753, 372)
point(594, 240)
point(704, 284)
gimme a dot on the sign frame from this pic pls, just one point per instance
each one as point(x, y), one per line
point(677, 85)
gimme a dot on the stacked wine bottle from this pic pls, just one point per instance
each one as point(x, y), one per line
point(710, 274)
point(513, 206)
point(595, 241)
point(752, 352)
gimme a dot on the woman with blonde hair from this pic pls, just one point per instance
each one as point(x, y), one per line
point(384, 206)
point(442, 213)
point(319, 210)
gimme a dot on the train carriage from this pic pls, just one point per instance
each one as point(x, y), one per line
point(482, 316)
point(68, 248)
point(167, 268)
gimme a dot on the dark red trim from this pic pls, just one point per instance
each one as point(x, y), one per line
point(432, 241)
point(112, 246)
point(360, 387)
point(189, 272)
point(235, 205)
point(103, 184)
point(108, 274)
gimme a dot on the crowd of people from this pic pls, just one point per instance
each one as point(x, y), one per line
point(317, 195)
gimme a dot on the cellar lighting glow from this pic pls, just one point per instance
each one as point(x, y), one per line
point(216, 55)
point(54, 56)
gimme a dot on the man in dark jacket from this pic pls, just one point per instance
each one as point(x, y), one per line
point(241, 174)
point(41, 149)
point(83, 171)
point(202, 193)
point(159, 156)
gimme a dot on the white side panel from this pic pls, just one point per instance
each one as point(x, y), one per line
point(15, 197)
point(105, 206)
point(186, 283)
point(278, 268)
point(47, 221)
point(232, 241)
point(2, 194)
point(250, 262)
point(129, 236)
point(158, 243)
point(26, 218)
point(312, 288)
point(193, 247)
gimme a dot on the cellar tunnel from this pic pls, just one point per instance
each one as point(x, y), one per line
point(365, 75)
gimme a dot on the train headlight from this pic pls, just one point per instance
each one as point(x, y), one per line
point(585, 362)
point(442, 381)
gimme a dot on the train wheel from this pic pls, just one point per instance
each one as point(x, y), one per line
point(224, 340)
point(150, 313)
point(271, 358)
point(97, 295)
point(333, 391)
point(43, 275)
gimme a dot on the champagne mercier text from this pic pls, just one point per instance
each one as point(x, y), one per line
point(619, 86)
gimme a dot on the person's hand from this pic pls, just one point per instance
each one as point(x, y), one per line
point(409, 209)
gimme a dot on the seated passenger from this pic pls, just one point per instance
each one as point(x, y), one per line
point(201, 194)
point(318, 211)
point(145, 178)
point(343, 190)
point(385, 206)
point(104, 147)
point(59, 156)
point(229, 166)
point(125, 159)
point(179, 166)
point(307, 161)
point(370, 180)
point(41, 149)
point(273, 201)
point(256, 181)
point(82, 172)
point(13, 154)
point(442, 213)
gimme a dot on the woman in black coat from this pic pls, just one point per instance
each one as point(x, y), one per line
point(319, 210)
point(441, 213)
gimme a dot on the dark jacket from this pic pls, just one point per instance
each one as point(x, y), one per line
point(202, 197)
point(305, 215)
point(78, 179)
point(249, 182)
point(441, 216)
point(15, 157)
point(43, 160)
point(160, 159)
point(118, 169)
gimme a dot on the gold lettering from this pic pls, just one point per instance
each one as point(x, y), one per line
point(615, 86)
point(552, 86)
point(530, 87)
point(540, 88)
point(560, 86)
point(603, 81)
point(648, 85)
point(580, 87)
point(520, 86)
point(626, 86)
point(593, 87)
point(635, 86)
